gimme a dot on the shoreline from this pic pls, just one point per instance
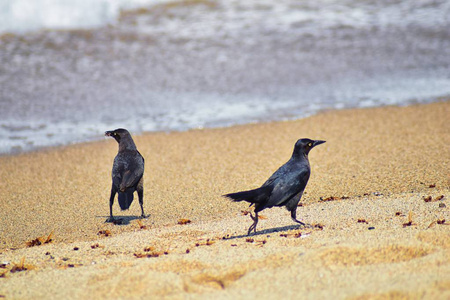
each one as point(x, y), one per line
point(377, 169)
point(253, 142)
point(94, 139)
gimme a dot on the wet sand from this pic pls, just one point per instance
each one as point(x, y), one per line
point(379, 165)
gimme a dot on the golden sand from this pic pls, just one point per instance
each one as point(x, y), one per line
point(378, 165)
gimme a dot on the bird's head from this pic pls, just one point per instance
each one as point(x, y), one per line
point(118, 134)
point(303, 146)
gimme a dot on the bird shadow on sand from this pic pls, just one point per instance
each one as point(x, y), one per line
point(265, 231)
point(120, 220)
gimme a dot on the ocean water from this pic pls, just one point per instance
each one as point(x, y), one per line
point(69, 70)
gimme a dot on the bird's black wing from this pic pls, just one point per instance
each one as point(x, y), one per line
point(271, 181)
point(277, 174)
point(133, 170)
point(290, 181)
point(117, 171)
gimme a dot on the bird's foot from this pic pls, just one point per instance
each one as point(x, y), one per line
point(144, 216)
point(110, 220)
point(255, 222)
point(299, 222)
point(250, 230)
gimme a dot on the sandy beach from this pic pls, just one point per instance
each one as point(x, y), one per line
point(378, 197)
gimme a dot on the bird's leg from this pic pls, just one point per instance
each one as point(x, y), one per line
point(294, 217)
point(111, 202)
point(255, 222)
point(140, 192)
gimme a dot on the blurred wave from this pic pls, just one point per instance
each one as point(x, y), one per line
point(74, 69)
point(25, 15)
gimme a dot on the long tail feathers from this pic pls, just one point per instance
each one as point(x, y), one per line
point(253, 196)
point(125, 200)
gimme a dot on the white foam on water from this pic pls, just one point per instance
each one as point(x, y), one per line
point(32, 15)
point(209, 63)
point(26, 15)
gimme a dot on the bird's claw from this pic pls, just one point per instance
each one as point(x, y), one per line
point(251, 228)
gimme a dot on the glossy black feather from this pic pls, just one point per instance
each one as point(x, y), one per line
point(125, 199)
point(127, 172)
point(128, 169)
point(285, 187)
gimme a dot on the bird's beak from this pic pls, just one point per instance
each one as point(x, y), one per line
point(108, 133)
point(318, 142)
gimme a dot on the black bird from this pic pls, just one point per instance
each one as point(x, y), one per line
point(285, 187)
point(127, 172)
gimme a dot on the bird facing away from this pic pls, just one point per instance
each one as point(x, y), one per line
point(127, 172)
point(285, 187)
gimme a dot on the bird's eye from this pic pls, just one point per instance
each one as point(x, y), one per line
point(310, 144)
